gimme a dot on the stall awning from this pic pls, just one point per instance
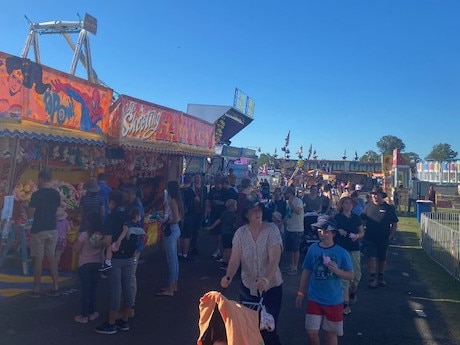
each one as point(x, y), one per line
point(173, 148)
point(31, 130)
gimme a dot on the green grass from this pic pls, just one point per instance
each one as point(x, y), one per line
point(443, 288)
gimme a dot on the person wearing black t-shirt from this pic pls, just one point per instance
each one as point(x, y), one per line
point(120, 275)
point(381, 225)
point(188, 221)
point(42, 207)
point(216, 205)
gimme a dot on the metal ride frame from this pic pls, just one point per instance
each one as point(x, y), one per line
point(81, 49)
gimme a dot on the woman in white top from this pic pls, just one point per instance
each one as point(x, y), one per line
point(257, 247)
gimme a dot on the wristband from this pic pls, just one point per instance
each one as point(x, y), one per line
point(265, 280)
point(300, 293)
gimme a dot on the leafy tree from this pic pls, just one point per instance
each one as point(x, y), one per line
point(441, 153)
point(388, 143)
point(370, 156)
point(264, 158)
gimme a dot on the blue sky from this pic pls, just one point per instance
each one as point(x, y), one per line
point(339, 74)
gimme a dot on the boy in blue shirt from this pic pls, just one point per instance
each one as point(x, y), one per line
point(324, 267)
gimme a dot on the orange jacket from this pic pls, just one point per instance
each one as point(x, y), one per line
point(241, 323)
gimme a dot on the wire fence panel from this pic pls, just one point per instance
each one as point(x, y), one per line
point(440, 239)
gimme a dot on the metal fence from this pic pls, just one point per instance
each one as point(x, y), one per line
point(440, 239)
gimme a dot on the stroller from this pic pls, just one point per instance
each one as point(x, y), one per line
point(309, 236)
point(223, 321)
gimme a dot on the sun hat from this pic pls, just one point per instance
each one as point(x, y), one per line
point(92, 186)
point(251, 201)
point(342, 200)
point(376, 190)
point(327, 223)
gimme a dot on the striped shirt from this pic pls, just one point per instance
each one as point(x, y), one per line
point(90, 203)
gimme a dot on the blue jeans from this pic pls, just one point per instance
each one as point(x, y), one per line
point(89, 276)
point(120, 276)
point(170, 244)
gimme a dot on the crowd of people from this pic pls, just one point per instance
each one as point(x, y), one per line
point(250, 231)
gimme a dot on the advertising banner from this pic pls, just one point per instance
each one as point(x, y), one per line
point(136, 121)
point(387, 164)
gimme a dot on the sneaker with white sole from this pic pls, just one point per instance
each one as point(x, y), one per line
point(291, 271)
point(104, 267)
point(373, 283)
point(106, 328)
point(122, 325)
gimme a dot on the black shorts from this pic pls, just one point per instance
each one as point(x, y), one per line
point(376, 249)
point(227, 240)
point(187, 227)
point(292, 241)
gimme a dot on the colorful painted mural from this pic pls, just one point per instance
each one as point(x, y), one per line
point(30, 91)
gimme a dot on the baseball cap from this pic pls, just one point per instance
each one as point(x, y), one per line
point(325, 223)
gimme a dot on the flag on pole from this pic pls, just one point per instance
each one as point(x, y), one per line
point(287, 139)
point(300, 150)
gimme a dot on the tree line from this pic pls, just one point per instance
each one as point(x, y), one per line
point(441, 152)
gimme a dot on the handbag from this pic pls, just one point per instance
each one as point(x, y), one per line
point(166, 229)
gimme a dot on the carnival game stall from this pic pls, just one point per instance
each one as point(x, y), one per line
point(149, 142)
point(49, 120)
